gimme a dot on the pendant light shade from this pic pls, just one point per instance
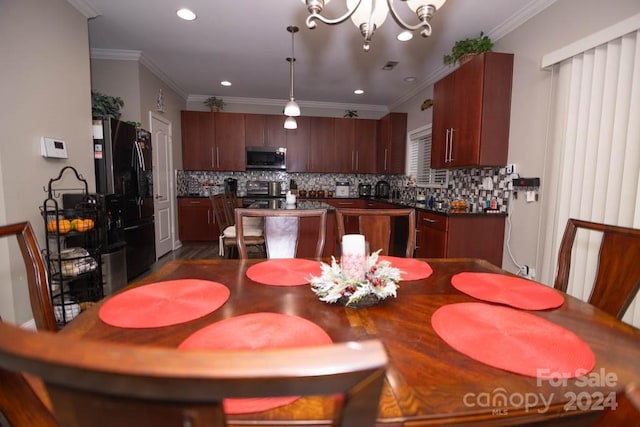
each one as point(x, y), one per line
point(290, 123)
point(292, 109)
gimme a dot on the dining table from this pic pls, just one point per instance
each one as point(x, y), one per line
point(428, 381)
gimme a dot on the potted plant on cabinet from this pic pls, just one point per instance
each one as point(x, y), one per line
point(463, 50)
point(105, 106)
point(216, 104)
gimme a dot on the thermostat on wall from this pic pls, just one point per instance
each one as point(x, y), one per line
point(55, 148)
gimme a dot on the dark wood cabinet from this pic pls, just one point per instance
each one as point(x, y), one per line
point(473, 236)
point(344, 149)
point(198, 140)
point(392, 143)
point(298, 149)
point(230, 137)
point(196, 221)
point(366, 131)
point(471, 113)
point(264, 130)
point(322, 156)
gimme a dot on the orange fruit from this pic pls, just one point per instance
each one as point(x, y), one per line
point(61, 226)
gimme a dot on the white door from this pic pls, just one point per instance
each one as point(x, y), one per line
point(162, 183)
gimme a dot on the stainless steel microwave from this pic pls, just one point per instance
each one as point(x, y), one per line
point(266, 158)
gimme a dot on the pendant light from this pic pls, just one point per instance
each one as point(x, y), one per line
point(291, 109)
point(290, 123)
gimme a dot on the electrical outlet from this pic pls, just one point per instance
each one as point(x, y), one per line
point(527, 272)
point(511, 169)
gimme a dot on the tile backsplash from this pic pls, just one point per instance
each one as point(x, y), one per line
point(471, 185)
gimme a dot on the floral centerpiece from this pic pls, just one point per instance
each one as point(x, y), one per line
point(334, 286)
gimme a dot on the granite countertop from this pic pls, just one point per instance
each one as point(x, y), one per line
point(310, 203)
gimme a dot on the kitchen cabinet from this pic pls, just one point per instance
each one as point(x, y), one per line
point(392, 143)
point(298, 149)
point(322, 156)
point(355, 145)
point(365, 146)
point(264, 130)
point(471, 113)
point(230, 137)
point(472, 236)
point(196, 221)
point(212, 141)
point(198, 140)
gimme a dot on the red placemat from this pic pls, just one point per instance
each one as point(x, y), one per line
point(513, 291)
point(257, 331)
point(164, 303)
point(513, 340)
point(413, 269)
point(284, 272)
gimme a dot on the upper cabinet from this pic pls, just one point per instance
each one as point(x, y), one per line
point(471, 113)
point(198, 140)
point(265, 130)
point(298, 145)
point(392, 143)
point(322, 155)
point(355, 145)
point(212, 141)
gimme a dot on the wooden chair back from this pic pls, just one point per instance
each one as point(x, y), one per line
point(279, 232)
point(377, 227)
point(36, 274)
point(627, 410)
point(618, 275)
point(98, 383)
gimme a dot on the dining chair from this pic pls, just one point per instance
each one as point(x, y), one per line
point(618, 269)
point(223, 210)
point(36, 271)
point(99, 383)
point(378, 228)
point(282, 231)
point(627, 410)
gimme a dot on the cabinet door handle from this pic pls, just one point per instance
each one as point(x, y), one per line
point(446, 145)
point(345, 203)
point(451, 145)
point(195, 202)
point(213, 159)
point(385, 158)
point(429, 220)
point(352, 159)
point(357, 160)
point(217, 158)
point(208, 216)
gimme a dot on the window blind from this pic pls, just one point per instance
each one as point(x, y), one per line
point(419, 160)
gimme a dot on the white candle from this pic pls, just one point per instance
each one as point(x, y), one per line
point(353, 255)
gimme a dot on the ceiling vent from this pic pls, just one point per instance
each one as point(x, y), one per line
point(390, 65)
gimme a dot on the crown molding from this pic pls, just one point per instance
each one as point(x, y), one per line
point(282, 102)
point(501, 30)
point(85, 7)
point(136, 55)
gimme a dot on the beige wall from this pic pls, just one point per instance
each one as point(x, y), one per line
point(560, 24)
point(121, 79)
point(45, 91)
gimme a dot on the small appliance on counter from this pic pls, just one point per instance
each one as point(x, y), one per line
point(342, 189)
point(382, 190)
point(364, 190)
point(231, 185)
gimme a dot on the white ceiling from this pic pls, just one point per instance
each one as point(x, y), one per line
point(246, 42)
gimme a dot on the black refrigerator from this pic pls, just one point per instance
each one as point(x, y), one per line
point(123, 163)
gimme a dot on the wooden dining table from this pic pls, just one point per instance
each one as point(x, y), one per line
point(427, 381)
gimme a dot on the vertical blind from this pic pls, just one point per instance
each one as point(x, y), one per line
point(594, 155)
point(419, 159)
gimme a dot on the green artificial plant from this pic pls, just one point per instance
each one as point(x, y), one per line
point(105, 106)
point(214, 103)
point(468, 46)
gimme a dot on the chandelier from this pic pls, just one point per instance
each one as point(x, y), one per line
point(367, 15)
point(291, 109)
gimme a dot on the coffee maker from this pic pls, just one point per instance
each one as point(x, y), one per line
point(382, 190)
point(231, 185)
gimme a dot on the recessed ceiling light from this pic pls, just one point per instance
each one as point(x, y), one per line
point(225, 83)
point(358, 91)
point(410, 79)
point(186, 14)
point(405, 36)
